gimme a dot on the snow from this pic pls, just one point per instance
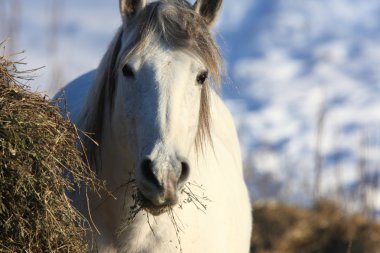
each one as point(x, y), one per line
point(292, 64)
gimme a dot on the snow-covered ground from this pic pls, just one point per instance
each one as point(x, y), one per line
point(303, 76)
point(304, 67)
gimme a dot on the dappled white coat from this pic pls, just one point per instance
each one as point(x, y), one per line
point(224, 227)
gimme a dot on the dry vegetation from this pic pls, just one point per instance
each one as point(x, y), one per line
point(283, 228)
point(38, 152)
point(38, 155)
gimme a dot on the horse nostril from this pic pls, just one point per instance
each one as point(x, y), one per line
point(147, 172)
point(185, 171)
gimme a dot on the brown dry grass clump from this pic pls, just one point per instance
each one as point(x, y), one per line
point(38, 155)
point(283, 228)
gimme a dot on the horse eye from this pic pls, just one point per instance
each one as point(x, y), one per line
point(202, 77)
point(128, 72)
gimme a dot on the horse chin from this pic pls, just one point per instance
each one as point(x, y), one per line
point(154, 210)
point(157, 210)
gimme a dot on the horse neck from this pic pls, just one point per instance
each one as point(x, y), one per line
point(116, 163)
point(116, 170)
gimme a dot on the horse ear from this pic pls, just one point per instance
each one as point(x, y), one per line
point(129, 8)
point(208, 9)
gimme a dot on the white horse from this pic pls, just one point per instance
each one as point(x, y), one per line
point(161, 127)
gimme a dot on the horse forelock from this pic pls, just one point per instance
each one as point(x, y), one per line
point(181, 28)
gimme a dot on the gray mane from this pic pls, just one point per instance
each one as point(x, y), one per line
point(181, 28)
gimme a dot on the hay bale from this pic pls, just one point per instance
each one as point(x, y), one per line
point(37, 148)
point(283, 228)
point(272, 221)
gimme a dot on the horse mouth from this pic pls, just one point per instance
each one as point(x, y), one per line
point(155, 210)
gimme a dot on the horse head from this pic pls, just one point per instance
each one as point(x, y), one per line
point(155, 81)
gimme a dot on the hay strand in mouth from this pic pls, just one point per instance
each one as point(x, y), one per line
point(132, 210)
point(136, 207)
point(197, 200)
point(177, 229)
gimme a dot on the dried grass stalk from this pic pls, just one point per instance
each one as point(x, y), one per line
point(283, 228)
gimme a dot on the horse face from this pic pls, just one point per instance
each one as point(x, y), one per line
point(157, 110)
point(158, 105)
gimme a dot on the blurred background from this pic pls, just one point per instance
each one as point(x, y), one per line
point(303, 85)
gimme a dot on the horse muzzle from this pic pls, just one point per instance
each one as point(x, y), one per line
point(160, 183)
